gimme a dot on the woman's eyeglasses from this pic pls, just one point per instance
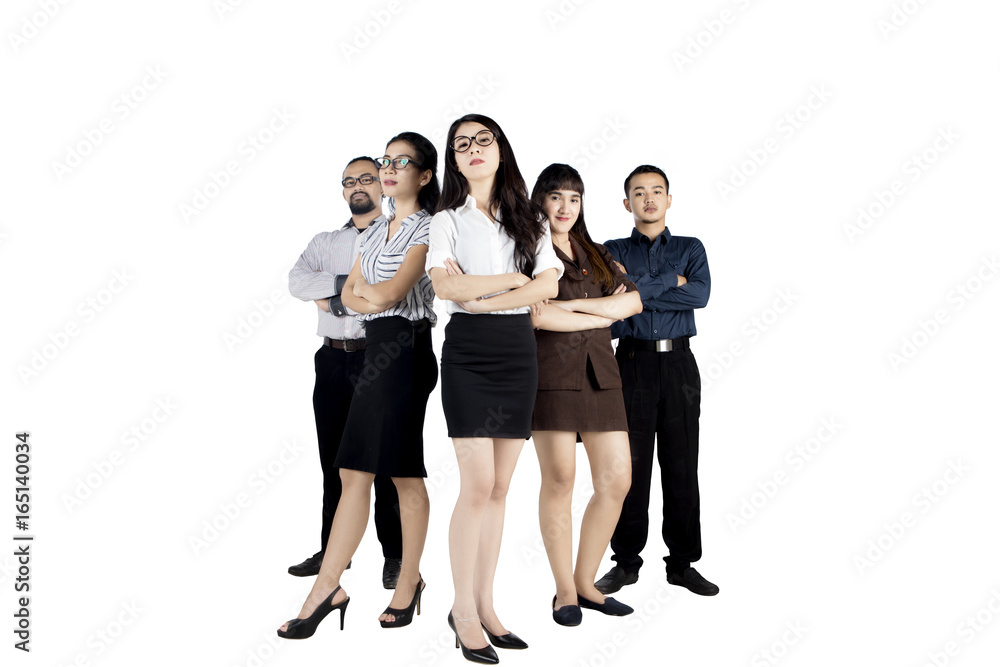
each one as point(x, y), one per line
point(460, 144)
point(398, 163)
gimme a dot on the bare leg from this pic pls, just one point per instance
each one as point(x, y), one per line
point(557, 459)
point(414, 510)
point(475, 467)
point(348, 528)
point(505, 454)
point(611, 468)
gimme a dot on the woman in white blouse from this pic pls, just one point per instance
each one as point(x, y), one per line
point(491, 258)
point(384, 432)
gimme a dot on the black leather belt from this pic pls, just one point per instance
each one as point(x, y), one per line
point(347, 345)
point(665, 345)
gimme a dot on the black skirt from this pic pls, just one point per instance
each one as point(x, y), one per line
point(489, 376)
point(384, 433)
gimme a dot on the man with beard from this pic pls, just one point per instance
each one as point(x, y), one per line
point(319, 276)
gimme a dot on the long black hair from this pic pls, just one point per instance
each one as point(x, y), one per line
point(425, 157)
point(522, 219)
point(564, 177)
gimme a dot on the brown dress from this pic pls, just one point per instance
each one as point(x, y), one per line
point(579, 387)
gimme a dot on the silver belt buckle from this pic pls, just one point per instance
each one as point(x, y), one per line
point(665, 345)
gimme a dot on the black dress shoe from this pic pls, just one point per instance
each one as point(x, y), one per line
point(390, 572)
point(310, 566)
point(616, 577)
point(509, 640)
point(692, 580)
point(611, 606)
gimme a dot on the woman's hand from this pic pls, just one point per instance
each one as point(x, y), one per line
point(359, 286)
point(453, 268)
point(536, 308)
point(474, 306)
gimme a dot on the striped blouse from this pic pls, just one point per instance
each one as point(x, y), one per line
point(381, 259)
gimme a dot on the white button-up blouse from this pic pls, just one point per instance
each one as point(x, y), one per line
point(482, 248)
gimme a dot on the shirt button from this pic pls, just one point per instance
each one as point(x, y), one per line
point(655, 331)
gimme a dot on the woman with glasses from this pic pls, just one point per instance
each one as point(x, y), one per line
point(579, 398)
point(384, 433)
point(490, 258)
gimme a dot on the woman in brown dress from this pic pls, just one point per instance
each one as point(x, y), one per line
point(579, 398)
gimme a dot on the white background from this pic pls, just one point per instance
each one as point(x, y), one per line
point(604, 86)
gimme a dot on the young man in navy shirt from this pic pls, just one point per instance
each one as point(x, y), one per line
point(661, 385)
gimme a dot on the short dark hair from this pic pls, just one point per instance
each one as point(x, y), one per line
point(361, 159)
point(646, 169)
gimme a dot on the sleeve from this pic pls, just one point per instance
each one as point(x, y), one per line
point(441, 240)
point(306, 281)
point(660, 293)
point(620, 278)
point(545, 254)
point(422, 234)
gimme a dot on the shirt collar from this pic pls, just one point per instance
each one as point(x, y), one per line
point(638, 237)
point(350, 225)
point(573, 268)
point(414, 218)
point(471, 204)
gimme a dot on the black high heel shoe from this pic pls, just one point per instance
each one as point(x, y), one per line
point(300, 628)
point(509, 640)
point(568, 614)
point(484, 655)
point(404, 616)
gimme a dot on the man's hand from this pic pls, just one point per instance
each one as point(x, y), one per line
point(681, 280)
point(323, 304)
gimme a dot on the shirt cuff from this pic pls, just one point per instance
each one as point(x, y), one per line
point(337, 306)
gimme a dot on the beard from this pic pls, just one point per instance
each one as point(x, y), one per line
point(361, 206)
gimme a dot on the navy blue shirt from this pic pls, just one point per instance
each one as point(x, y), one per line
point(667, 310)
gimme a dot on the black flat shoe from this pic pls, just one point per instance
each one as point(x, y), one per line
point(485, 655)
point(568, 614)
point(616, 577)
point(404, 616)
point(390, 572)
point(301, 628)
point(509, 640)
point(611, 606)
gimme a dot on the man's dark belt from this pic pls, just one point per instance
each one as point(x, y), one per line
point(665, 345)
point(347, 345)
